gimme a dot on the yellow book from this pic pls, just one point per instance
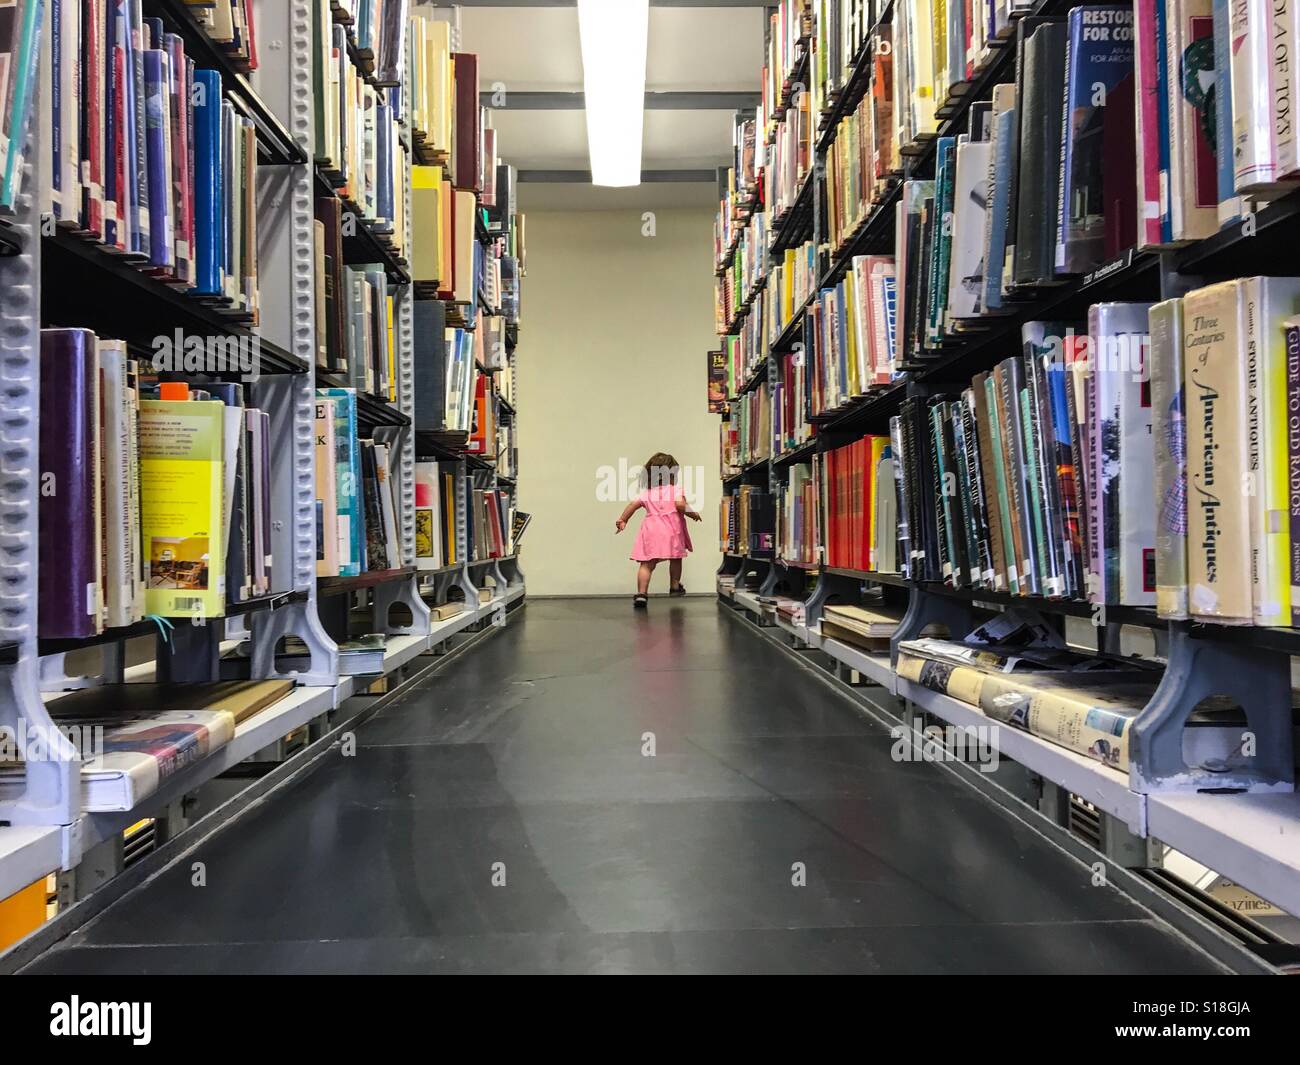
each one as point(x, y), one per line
point(181, 486)
point(392, 363)
point(1269, 301)
point(426, 223)
point(849, 290)
point(878, 445)
point(939, 43)
point(442, 81)
point(787, 286)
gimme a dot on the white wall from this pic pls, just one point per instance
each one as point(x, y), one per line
point(612, 367)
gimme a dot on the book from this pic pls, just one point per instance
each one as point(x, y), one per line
point(1191, 179)
point(1037, 185)
point(1169, 434)
point(1218, 519)
point(1123, 455)
point(123, 585)
point(1097, 139)
point(181, 484)
point(165, 730)
point(1090, 718)
point(20, 27)
point(70, 517)
point(1269, 301)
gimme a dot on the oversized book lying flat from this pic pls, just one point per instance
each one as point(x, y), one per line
point(142, 744)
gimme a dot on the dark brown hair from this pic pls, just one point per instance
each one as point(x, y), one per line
point(661, 461)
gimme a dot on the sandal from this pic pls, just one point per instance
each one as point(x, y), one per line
point(639, 602)
point(679, 590)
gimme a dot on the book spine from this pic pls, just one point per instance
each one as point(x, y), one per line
point(1292, 336)
point(1274, 300)
point(997, 441)
point(942, 510)
point(1065, 458)
point(1229, 205)
point(1008, 406)
point(1218, 522)
point(1073, 40)
point(1135, 514)
point(1147, 104)
point(1169, 435)
point(1256, 164)
point(1280, 47)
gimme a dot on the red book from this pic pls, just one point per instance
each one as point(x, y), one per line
point(467, 137)
point(92, 118)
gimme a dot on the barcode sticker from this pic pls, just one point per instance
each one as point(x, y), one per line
point(188, 602)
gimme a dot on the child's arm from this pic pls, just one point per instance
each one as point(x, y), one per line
point(628, 511)
point(682, 508)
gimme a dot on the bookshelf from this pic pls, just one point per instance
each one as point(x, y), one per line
point(1231, 821)
point(53, 274)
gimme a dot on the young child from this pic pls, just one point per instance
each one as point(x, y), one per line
point(663, 532)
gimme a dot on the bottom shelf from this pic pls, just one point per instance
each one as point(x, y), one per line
point(1251, 839)
point(1254, 839)
point(28, 852)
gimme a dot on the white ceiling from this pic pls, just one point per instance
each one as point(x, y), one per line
point(534, 48)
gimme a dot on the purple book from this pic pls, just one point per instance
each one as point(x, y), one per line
point(69, 512)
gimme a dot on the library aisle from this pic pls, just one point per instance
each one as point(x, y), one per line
point(509, 817)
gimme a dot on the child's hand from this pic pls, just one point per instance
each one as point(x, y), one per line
point(619, 526)
point(693, 516)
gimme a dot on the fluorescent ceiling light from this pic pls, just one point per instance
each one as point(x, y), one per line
point(614, 36)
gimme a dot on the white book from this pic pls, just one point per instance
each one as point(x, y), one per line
point(970, 204)
point(388, 507)
point(116, 427)
point(428, 516)
point(1254, 162)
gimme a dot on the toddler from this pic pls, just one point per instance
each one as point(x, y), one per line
point(663, 534)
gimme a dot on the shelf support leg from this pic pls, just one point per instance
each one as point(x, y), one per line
point(1258, 680)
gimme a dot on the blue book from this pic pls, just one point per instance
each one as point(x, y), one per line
point(347, 469)
point(1004, 139)
point(209, 180)
point(162, 245)
point(1098, 61)
point(57, 107)
point(229, 175)
point(384, 168)
point(1229, 204)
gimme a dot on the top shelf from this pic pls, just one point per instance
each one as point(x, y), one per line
point(275, 143)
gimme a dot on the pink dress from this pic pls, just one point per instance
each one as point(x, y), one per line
point(663, 530)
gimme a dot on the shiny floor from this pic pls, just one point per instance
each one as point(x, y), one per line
point(509, 816)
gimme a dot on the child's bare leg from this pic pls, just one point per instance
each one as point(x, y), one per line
point(674, 572)
point(643, 574)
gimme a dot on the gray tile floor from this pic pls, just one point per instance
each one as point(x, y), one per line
point(522, 762)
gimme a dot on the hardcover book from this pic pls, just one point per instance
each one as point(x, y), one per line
point(1218, 518)
point(70, 576)
point(1169, 433)
point(1097, 138)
